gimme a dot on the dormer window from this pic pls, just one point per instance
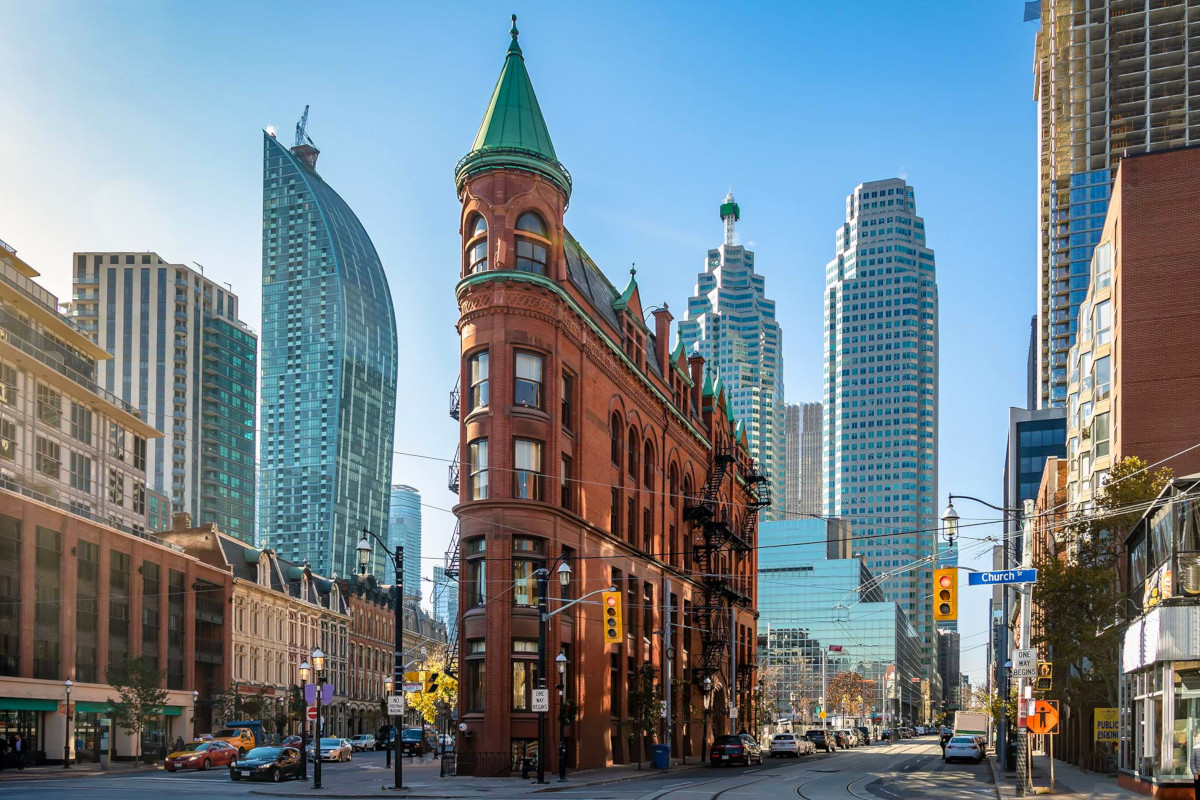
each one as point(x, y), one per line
point(531, 243)
point(477, 246)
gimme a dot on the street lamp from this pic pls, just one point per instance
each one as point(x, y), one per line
point(195, 700)
point(388, 682)
point(543, 579)
point(561, 661)
point(397, 556)
point(318, 666)
point(950, 521)
point(67, 727)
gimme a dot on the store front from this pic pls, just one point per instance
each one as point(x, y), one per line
point(26, 717)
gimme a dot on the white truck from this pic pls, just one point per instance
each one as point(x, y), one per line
point(971, 723)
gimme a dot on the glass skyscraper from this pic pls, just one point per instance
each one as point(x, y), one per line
point(328, 370)
point(404, 530)
point(731, 323)
point(881, 394)
point(808, 602)
point(185, 360)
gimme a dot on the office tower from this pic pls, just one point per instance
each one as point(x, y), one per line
point(731, 323)
point(881, 393)
point(65, 440)
point(1113, 79)
point(445, 602)
point(404, 530)
point(183, 357)
point(328, 369)
point(948, 663)
point(802, 451)
point(814, 604)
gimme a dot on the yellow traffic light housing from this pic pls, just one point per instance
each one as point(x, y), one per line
point(614, 629)
point(945, 594)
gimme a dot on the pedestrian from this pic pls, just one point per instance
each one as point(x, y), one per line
point(18, 747)
point(178, 743)
point(1194, 765)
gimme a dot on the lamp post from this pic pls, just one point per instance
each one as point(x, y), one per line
point(67, 727)
point(305, 672)
point(543, 579)
point(950, 524)
point(561, 661)
point(397, 556)
point(195, 700)
point(318, 665)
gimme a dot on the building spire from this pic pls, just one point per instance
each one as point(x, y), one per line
point(515, 47)
point(730, 214)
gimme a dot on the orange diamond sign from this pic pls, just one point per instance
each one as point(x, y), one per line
point(1044, 718)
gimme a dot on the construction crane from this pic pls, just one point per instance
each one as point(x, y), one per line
point(302, 136)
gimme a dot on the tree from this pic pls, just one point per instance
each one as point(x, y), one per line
point(139, 686)
point(645, 705)
point(444, 694)
point(845, 692)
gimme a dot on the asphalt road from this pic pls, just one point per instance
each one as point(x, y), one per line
point(909, 770)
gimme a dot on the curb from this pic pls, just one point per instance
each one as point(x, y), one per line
point(995, 777)
point(67, 774)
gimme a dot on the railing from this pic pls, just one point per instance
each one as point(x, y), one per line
point(484, 765)
point(454, 402)
point(62, 369)
point(452, 481)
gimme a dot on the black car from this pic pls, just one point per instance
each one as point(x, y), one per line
point(864, 735)
point(733, 749)
point(268, 764)
point(822, 739)
point(414, 743)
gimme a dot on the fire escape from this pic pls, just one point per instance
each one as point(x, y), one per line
point(758, 498)
point(711, 537)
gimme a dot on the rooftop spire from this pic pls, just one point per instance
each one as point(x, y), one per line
point(730, 214)
point(513, 134)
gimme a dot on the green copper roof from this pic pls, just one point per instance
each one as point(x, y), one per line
point(739, 431)
point(729, 411)
point(631, 287)
point(709, 390)
point(513, 134)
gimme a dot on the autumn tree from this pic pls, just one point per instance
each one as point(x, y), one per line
point(845, 692)
point(443, 693)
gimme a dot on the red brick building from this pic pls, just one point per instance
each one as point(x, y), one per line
point(372, 641)
point(584, 436)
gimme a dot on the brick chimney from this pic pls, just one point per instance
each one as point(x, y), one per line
point(662, 336)
point(696, 370)
point(181, 521)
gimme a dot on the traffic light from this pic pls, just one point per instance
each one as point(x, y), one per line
point(431, 682)
point(614, 630)
point(945, 594)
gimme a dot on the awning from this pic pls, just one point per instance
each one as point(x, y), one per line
point(92, 707)
point(27, 704)
point(172, 711)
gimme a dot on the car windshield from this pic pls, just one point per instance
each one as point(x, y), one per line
point(331, 743)
point(265, 753)
point(963, 740)
point(728, 740)
point(229, 732)
point(361, 736)
point(815, 733)
point(783, 737)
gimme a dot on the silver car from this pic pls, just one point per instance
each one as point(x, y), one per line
point(332, 750)
point(362, 742)
point(790, 744)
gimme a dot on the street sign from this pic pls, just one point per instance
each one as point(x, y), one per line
point(1107, 726)
point(822, 715)
point(310, 693)
point(541, 701)
point(733, 713)
point(1045, 676)
point(1044, 718)
point(835, 648)
point(1025, 663)
point(1002, 576)
point(413, 687)
point(312, 713)
point(395, 705)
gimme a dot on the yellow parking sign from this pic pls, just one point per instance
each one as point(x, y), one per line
point(1107, 725)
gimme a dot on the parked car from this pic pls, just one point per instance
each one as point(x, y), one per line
point(268, 764)
point(241, 738)
point(845, 738)
point(363, 742)
point(332, 750)
point(413, 742)
point(822, 739)
point(790, 744)
point(963, 747)
point(885, 735)
point(864, 735)
point(735, 748)
point(201, 754)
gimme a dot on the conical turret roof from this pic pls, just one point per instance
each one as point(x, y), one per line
point(513, 134)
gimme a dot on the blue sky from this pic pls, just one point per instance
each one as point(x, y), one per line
point(136, 126)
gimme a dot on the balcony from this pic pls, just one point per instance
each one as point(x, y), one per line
point(13, 339)
point(452, 482)
point(454, 402)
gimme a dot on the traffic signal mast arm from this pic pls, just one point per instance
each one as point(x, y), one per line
point(565, 606)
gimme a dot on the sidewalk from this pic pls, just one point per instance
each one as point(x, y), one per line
point(1069, 781)
point(56, 772)
point(421, 780)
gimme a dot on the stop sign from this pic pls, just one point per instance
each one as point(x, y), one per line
point(312, 713)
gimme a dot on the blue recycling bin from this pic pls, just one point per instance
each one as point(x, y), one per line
point(661, 756)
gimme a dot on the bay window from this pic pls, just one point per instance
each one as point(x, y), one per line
point(479, 381)
point(527, 386)
point(527, 475)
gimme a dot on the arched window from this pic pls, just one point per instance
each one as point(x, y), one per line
point(673, 486)
point(615, 428)
point(648, 465)
point(531, 250)
point(477, 246)
point(631, 453)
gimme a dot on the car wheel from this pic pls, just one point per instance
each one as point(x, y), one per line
point(204, 765)
point(170, 769)
point(276, 775)
point(233, 776)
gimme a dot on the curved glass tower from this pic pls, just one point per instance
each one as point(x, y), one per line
point(328, 370)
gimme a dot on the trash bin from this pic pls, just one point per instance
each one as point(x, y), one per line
point(661, 756)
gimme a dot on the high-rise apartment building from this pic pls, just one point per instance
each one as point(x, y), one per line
point(445, 602)
point(65, 440)
point(1111, 77)
point(328, 369)
point(881, 393)
point(802, 460)
point(404, 530)
point(181, 355)
point(731, 323)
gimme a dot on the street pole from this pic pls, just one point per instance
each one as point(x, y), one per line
point(824, 688)
point(304, 724)
point(319, 730)
point(668, 651)
point(398, 669)
point(543, 610)
point(67, 728)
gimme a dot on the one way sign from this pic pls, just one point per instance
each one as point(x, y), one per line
point(1025, 663)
